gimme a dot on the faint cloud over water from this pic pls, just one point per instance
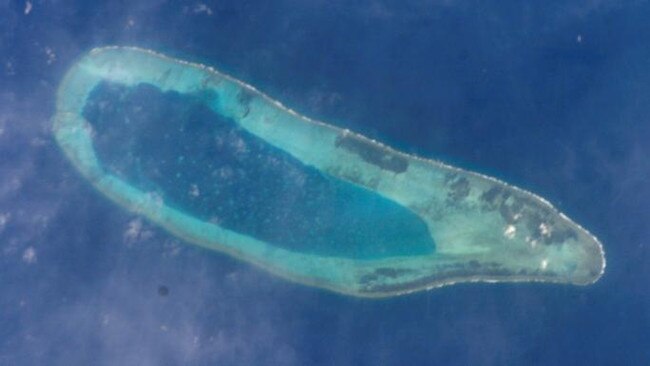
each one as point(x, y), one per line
point(136, 231)
point(29, 255)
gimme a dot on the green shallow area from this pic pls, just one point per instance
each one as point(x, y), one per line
point(482, 229)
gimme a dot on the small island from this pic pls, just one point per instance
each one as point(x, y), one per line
point(450, 225)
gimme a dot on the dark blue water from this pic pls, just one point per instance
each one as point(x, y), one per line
point(553, 96)
point(203, 164)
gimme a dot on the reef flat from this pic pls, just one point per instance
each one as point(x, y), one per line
point(484, 230)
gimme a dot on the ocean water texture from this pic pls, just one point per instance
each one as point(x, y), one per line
point(553, 97)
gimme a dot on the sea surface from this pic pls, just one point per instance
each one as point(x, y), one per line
point(552, 96)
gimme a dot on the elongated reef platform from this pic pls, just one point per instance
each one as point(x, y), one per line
point(484, 230)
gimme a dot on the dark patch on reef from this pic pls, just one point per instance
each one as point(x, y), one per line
point(384, 272)
point(514, 208)
point(392, 272)
point(454, 271)
point(165, 76)
point(372, 153)
point(458, 188)
point(244, 97)
point(490, 195)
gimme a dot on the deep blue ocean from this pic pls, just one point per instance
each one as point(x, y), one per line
point(553, 96)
